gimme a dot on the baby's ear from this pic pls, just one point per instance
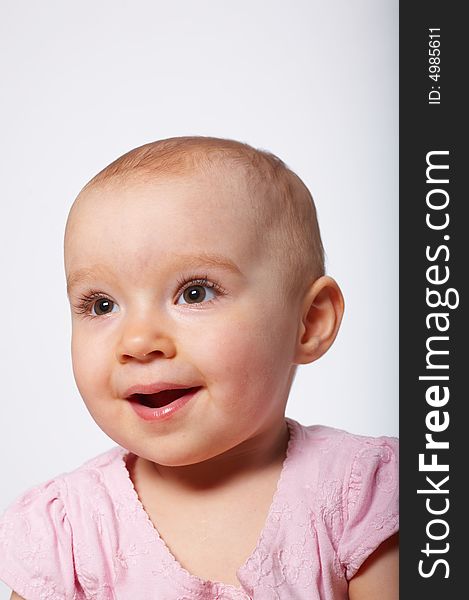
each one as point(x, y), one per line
point(322, 312)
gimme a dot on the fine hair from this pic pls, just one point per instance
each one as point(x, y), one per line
point(283, 207)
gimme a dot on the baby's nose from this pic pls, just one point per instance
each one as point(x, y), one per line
point(144, 339)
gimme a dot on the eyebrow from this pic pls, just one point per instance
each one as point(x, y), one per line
point(188, 260)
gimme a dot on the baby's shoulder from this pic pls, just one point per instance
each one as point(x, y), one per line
point(96, 472)
point(43, 531)
point(350, 486)
point(336, 453)
point(54, 493)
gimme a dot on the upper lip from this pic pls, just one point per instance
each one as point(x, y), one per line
point(154, 388)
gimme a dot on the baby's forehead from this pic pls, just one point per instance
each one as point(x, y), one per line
point(221, 187)
point(217, 196)
point(254, 192)
point(159, 236)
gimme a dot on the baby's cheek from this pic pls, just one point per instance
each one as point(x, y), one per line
point(88, 368)
point(245, 351)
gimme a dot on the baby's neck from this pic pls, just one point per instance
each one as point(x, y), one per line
point(263, 452)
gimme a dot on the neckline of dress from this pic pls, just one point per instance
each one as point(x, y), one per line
point(190, 577)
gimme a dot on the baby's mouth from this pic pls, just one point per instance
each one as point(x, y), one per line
point(162, 398)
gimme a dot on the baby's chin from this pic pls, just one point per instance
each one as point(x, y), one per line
point(183, 453)
point(173, 447)
point(205, 453)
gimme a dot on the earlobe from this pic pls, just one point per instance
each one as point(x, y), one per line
point(322, 314)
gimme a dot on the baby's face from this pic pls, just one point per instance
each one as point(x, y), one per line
point(177, 288)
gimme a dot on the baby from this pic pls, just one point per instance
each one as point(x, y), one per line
point(195, 274)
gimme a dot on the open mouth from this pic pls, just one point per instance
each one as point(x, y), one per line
point(162, 398)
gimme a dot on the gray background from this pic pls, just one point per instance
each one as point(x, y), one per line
point(83, 82)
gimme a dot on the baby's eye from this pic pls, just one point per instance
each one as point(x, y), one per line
point(102, 306)
point(94, 304)
point(196, 293)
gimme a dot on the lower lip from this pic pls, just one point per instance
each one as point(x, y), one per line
point(164, 412)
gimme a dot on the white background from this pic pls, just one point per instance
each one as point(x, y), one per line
point(83, 82)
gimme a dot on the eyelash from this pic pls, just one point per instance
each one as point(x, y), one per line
point(86, 301)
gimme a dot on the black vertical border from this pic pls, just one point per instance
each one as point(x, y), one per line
point(424, 128)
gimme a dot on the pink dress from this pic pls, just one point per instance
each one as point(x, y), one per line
point(85, 534)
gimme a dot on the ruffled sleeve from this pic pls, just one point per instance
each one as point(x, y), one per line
point(372, 502)
point(36, 556)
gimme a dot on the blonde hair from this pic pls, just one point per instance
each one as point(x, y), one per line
point(285, 214)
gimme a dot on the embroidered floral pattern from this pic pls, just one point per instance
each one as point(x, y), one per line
point(86, 536)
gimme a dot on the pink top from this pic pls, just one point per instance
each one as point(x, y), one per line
point(85, 534)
